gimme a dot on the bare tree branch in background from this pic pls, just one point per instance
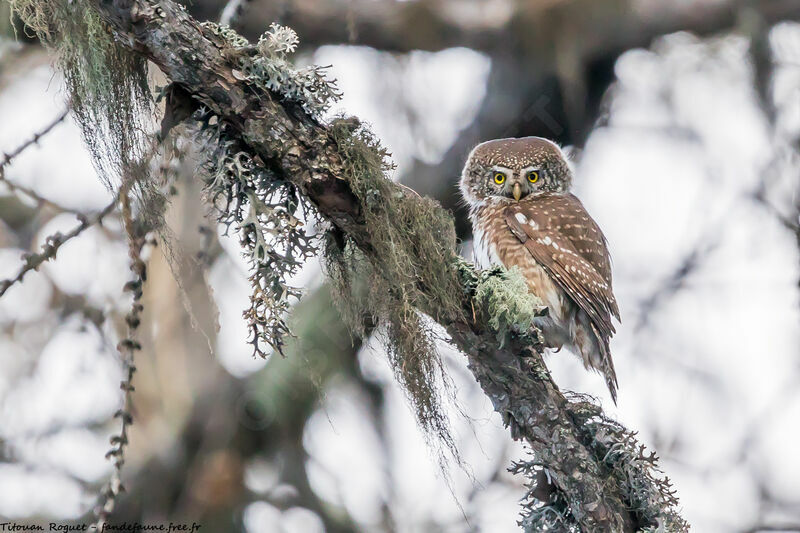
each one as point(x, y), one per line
point(440, 24)
point(33, 261)
point(9, 157)
point(35, 139)
point(232, 12)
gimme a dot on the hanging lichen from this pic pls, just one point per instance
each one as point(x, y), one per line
point(404, 273)
point(265, 212)
point(107, 83)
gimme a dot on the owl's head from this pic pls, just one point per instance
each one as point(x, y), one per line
point(514, 169)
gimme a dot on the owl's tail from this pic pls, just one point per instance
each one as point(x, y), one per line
point(594, 350)
point(605, 365)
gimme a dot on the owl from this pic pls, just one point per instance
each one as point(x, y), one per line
point(523, 215)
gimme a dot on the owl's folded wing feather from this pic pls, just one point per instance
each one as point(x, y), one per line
point(569, 269)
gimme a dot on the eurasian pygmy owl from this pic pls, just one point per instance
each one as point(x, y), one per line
point(523, 215)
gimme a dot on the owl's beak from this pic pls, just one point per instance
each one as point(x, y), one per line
point(517, 191)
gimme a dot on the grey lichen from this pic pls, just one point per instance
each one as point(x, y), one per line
point(629, 468)
point(266, 213)
point(262, 207)
point(226, 33)
point(652, 499)
point(267, 66)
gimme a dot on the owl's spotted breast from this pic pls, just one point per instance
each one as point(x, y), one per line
point(495, 244)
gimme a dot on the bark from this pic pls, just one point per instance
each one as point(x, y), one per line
point(300, 149)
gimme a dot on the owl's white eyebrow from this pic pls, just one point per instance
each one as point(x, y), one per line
point(527, 169)
point(501, 169)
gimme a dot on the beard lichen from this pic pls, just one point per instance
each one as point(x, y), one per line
point(409, 269)
point(107, 83)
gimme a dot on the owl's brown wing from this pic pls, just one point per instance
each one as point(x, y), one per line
point(560, 236)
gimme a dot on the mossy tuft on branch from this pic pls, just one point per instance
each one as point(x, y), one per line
point(503, 295)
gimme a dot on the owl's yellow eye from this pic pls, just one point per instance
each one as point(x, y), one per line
point(499, 178)
point(533, 176)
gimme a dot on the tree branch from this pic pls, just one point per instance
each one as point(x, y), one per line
point(608, 27)
point(10, 156)
point(600, 479)
point(32, 261)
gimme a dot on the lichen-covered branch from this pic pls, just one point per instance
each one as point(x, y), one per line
point(273, 154)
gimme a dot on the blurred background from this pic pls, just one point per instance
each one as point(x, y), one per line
point(684, 116)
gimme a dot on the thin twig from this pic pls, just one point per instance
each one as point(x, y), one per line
point(7, 157)
point(127, 348)
point(32, 261)
point(21, 189)
point(40, 200)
